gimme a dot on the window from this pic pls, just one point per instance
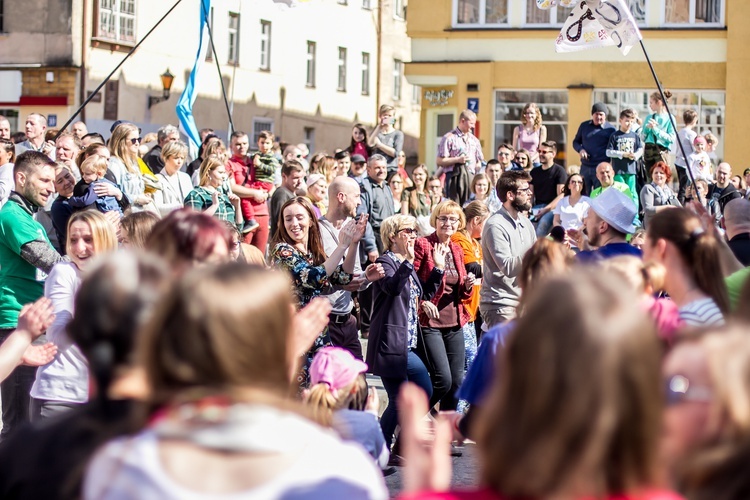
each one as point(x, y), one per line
point(366, 4)
point(116, 20)
point(398, 75)
point(310, 79)
point(398, 9)
point(259, 125)
point(210, 51)
point(265, 45)
point(553, 105)
point(557, 16)
point(2, 24)
point(694, 12)
point(365, 73)
point(310, 138)
point(638, 9)
point(416, 94)
point(342, 70)
point(234, 38)
point(709, 105)
point(480, 12)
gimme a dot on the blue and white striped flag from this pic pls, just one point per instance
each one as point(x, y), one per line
point(185, 104)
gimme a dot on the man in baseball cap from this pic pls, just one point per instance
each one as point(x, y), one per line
point(358, 167)
point(607, 225)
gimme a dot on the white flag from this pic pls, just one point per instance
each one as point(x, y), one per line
point(598, 23)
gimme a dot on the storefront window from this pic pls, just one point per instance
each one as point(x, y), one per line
point(553, 105)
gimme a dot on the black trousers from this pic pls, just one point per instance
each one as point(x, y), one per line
point(15, 394)
point(447, 354)
point(345, 334)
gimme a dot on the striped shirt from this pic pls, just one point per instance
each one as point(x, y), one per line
point(701, 312)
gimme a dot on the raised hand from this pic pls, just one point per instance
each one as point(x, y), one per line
point(308, 323)
point(36, 318)
point(215, 198)
point(410, 250)
point(353, 231)
point(439, 251)
point(375, 272)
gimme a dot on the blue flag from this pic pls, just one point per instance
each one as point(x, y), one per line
point(187, 99)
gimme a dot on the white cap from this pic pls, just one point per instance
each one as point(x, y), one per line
point(616, 209)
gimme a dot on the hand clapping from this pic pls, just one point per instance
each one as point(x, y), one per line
point(439, 251)
point(353, 231)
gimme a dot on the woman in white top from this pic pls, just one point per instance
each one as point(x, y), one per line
point(573, 208)
point(175, 185)
point(124, 165)
point(64, 382)
point(219, 357)
point(7, 158)
point(691, 255)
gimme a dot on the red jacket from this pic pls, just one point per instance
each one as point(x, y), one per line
point(424, 265)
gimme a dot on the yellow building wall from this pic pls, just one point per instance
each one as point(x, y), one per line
point(737, 78)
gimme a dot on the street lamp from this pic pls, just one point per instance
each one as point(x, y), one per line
point(166, 83)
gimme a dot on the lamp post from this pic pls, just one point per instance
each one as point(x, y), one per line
point(166, 83)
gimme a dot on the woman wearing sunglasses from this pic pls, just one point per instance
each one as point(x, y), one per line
point(397, 349)
point(124, 165)
point(444, 313)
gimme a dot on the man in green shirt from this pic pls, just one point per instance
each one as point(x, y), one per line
point(26, 256)
point(606, 175)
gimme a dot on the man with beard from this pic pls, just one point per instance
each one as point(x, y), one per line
point(26, 256)
point(607, 226)
point(506, 237)
point(343, 200)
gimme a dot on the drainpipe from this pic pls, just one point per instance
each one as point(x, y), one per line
point(82, 84)
point(378, 67)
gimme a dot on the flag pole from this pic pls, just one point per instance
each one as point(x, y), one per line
point(218, 67)
point(671, 119)
point(92, 94)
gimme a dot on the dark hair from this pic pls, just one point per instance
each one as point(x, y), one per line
point(138, 227)
point(342, 154)
point(18, 137)
point(665, 168)
point(566, 189)
point(506, 146)
point(627, 113)
point(9, 147)
point(492, 162)
point(314, 239)
point(509, 181)
point(205, 143)
point(96, 136)
point(550, 144)
point(237, 133)
point(31, 161)
point(353, 143)
point(689, 116)
point(290, 166)
point(265, 134)
point(90, 150)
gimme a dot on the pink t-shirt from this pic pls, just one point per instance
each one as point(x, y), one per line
point(486, 494)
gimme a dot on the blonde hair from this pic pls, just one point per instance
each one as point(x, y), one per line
point(322, 403)
point(102, 231)
point(640, 275)
point(209, 164)
point(174, 149)
point(95, 163)
point(537, 117)
point(118, 144)
point(392, 225)
point(448, 207)
point(386, 108)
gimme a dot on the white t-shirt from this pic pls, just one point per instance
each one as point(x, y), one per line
point(571, 216)
point(65, 378)
point(324, 466)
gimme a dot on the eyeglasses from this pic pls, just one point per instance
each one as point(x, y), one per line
point(135, 140)
point(524, 190)
point(448, 220)
point(679, 390)
point(408, 230)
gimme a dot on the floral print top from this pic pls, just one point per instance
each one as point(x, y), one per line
point(309, 281)
point(413, 301)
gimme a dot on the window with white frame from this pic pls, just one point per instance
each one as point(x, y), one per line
point(709, 13)
point(709, 104)
point(116, 20)
point(342, 70)
point(553, 105)
point(210, 50)
point(260, 125)
point(310, 138)
point(398, 77)
point(480, 12)
point(365, 73)
point(233, 55)
point(416, 94)
point(398, 9)
point(366, 4)
point(265, 45)
point(557, 16)
point(310, 71)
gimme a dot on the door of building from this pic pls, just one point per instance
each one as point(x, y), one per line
point(439, 122)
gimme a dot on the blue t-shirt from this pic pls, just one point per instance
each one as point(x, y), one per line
point(608, 251)
point(481, 374)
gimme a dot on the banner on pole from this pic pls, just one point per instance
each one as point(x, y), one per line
point(598, 23)
point(187, 99)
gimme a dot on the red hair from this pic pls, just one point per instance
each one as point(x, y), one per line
point(665, 168)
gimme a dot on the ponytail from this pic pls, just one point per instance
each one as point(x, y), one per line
point(321, 402)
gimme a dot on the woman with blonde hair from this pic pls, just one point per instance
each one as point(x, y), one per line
point(63, 384)
point(212, 196)
point(692, 257)
point(218, 355)
point(530, 133)
point(214, 147)
point(125, 167)
point(658, 131)
point(584, 353)
point(444, 314)
point(175, 185)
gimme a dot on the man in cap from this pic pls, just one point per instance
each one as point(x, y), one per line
point(591, 143)
point(607, 226)
point(358, 168)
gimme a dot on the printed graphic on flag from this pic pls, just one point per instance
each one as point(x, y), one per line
point(598, 23)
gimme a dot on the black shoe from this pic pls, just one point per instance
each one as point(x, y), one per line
point(250, 226)
point(396, 461)
point(388, 471)
point(457, 451)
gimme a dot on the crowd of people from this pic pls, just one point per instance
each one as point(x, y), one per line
point(177, 327)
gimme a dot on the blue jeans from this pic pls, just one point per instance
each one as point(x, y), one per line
point(417, 373)
point(589, 178)
point(544, 225)
point(470, 343)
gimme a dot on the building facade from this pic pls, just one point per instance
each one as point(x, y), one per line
point(306, 70)
point(497, 55)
